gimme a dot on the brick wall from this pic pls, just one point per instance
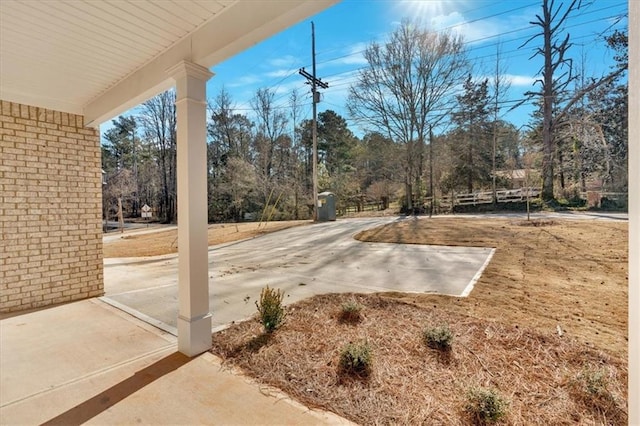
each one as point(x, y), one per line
point(50, 208)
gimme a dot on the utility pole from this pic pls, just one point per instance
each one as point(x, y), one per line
point(314, 82)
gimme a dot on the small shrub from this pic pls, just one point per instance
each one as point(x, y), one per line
point(351, 312)
point(592, 389)
point(439, 338)
point(270, 308)
point(356, 358)
point(594, 382)
point(536, 223)
point(485, 405)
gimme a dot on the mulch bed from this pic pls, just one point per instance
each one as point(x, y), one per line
point(546, 379)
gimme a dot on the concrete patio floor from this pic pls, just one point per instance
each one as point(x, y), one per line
point(302, 261)
point(87, 362)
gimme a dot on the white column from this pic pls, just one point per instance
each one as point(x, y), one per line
point(194, 318)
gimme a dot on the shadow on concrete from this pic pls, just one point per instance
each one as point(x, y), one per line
point(92, 407)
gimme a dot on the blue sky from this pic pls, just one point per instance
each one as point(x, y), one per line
point(344, 30)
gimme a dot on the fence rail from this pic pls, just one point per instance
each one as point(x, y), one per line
point(502, 196)
point(370, 206)
point(444, 202)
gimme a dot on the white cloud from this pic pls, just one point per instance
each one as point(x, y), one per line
point(473, 32)
point(284, 90)
point(355, 54)
point(344, 78)
point(287, 61)
point(520, 80)
point(445, 15)
point(426, 8)
point(280, 73)
point(350, 55)
point(245, 80)
point(514, 80)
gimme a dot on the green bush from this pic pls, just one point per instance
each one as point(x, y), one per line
point(351, 312)
point(356, 358)
point(594, 382)
point(485, 405)
point(439, 338)
point(592, 389)
point(270, 308)
point(613, 204)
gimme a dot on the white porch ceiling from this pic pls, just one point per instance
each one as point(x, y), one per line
point(100, 57)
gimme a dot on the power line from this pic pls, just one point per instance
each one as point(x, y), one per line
point(484, 46)
point(455, 25)
point(520, 51)
point(516, 52)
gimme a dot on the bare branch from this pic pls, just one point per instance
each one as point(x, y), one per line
point(585, 90)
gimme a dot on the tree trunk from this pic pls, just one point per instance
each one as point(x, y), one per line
point(409, 177)
point(431, 194)
point(561, 167)
point(120, 217)
point(547, 112)
point(470, 164)
point(547, 167)
point(409, 196)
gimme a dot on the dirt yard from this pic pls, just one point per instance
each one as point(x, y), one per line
point(545, 327)
point(164, 242)
point(567, 274)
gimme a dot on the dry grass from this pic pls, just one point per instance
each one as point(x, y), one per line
point(545, 277)
point(540, 375)
point(547, 320)
point(165, 242)
point(567, 274)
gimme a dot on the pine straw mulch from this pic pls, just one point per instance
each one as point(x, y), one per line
point(547, 379)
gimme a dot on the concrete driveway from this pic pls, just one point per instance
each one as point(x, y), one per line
point(302, 261)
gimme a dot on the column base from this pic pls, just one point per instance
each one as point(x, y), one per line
point(194, 335)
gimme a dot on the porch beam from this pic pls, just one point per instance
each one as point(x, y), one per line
point(238, 27)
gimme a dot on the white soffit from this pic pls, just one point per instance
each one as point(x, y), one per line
point(99, 58)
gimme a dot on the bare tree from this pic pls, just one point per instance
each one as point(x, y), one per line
point(553, 51)
point(405, 88)
point(271, 127)
point(296, 165)
point(238, 183)
point(556, 76)
point(121, 186)
point(229, 132)
point(159, 122)
point(121, 151)
point(499, 90)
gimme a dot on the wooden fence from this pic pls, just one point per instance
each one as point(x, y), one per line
point(503, 196)
point(446, 203)
point(369, 206)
